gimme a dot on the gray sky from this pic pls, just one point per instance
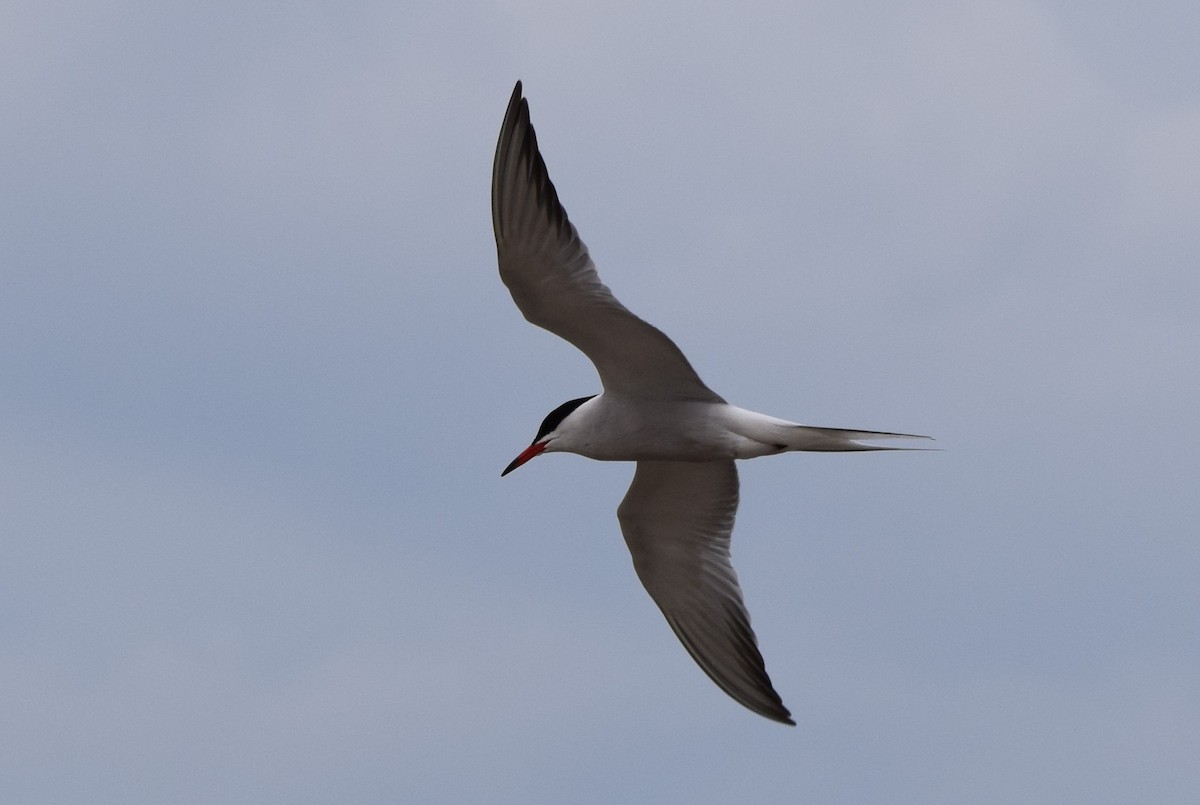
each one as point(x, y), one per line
point(258, 378)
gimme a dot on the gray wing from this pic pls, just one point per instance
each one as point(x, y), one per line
point(677, 519)
point(554, 282)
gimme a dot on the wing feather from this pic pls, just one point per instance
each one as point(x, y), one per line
point(677, 519)
point(554, 283)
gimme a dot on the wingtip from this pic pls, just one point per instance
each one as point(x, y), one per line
point(780, 715)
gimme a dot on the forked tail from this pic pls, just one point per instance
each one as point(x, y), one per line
point(765, 435)
point(839, 440)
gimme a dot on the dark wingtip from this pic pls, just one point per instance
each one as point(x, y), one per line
point(777, 713)
point(517, 124)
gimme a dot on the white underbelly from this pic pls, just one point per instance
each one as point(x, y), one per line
point(671, 432)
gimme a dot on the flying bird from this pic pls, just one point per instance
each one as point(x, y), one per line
point(677, 516)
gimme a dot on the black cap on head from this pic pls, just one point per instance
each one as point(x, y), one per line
point(555, 417)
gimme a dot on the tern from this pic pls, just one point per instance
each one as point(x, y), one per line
point(654, 409)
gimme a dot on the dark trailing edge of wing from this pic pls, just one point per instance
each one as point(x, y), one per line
point(751, 686)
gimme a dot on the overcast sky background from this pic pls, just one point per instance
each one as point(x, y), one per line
point(259, 376)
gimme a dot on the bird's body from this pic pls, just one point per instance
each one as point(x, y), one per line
point(678, 515)
point(616, 427)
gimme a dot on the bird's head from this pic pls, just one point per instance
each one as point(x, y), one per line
point(555, 426)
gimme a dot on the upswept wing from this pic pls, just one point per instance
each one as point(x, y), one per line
point(554, 282)
point(677, 519)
